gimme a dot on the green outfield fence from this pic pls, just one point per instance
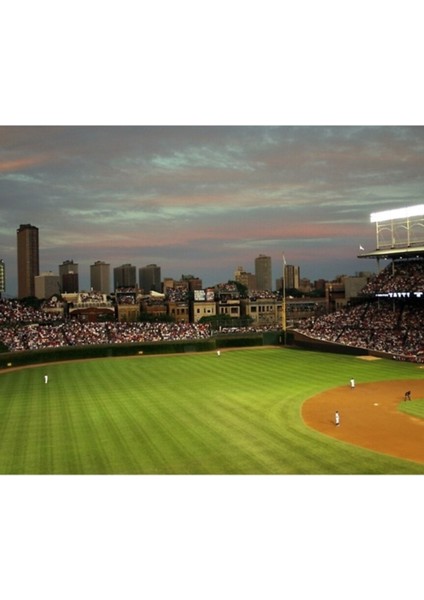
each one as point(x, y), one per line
point(46, 355)
point(220, 341)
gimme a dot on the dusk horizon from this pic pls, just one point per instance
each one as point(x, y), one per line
point(204, 200)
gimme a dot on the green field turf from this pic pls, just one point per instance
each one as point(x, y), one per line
point(415, 408)
point(185, 414)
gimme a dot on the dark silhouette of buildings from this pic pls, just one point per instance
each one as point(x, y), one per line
point(28, 259)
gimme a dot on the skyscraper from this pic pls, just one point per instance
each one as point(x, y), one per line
point(263, 272)
point(149, 278)
point(292, 277)
point(28, 259)
point(100, 277)
point(68, 274)
point(124, 276)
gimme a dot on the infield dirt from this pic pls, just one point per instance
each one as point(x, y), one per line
point(369, 417)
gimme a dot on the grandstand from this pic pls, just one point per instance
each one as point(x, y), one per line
point(387, 318)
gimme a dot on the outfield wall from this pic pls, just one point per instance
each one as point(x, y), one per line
point(293, 338)
point(47, 355)
point(303, 341)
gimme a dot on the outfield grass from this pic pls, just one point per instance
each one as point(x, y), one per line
point(185, 414)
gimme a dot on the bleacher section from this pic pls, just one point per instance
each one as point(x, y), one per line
point(389, 317)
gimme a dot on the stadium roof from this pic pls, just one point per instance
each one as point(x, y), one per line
point(386, 253)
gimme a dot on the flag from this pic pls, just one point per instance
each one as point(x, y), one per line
point(361, 247)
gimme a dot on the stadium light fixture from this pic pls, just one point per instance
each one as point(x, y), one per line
point(398, 213)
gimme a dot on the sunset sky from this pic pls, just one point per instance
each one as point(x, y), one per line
point(204, 200)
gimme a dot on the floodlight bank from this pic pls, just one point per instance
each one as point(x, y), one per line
point(398, 213)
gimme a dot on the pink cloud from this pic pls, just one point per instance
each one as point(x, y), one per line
point(20, 164)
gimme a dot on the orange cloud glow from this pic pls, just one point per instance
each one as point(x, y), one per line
point(20, 164)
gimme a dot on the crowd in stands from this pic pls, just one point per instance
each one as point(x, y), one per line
point(14, 312)
point(26, 328)
point(126, 298)
point(75, 333)
point(226, 287)
point(53, 302)
point(126, 290)
point(91, 298)
point(248, 329)
point(382, 325)
point(263, 295)
point(177, 294)
point(152, 301)
point(374, 326)
point(402, 276)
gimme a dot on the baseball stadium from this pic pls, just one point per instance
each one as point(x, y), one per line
point(210, 404)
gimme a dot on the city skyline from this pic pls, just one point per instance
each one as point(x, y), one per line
point(204, 200)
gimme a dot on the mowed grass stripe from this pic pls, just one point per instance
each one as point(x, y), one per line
point(184, 433)
point(11, 392)
point(135, 448)
point(164, 448)
point(251, 448)
point(113, 421)
point(261, 434)
point(125, 432)
point(198, 413)
point(25, 424)
point(177, 426)
point(83, 433)
point(240, 410)
point(210, 380)
point(206, 445)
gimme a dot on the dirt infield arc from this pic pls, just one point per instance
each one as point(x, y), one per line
point(369, 417)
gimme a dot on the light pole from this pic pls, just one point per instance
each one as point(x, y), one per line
point(283, 307)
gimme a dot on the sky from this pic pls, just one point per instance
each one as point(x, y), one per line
point(203, 200)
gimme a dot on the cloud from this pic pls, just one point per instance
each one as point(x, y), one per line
point(196, 193)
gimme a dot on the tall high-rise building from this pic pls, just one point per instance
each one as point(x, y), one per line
point(263, 272)
point(292, 277)
point(46, 285)
point(2, 277)
point(68, 275)
point(28, 259)
point(124, 276)
point(150, 278)
point(100, 277)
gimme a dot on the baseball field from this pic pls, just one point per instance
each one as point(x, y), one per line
point(250, 411)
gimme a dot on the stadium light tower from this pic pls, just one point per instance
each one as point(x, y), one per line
point(399, 228)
